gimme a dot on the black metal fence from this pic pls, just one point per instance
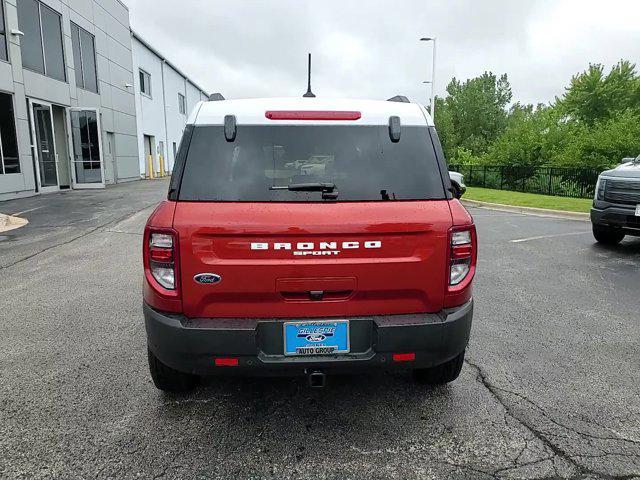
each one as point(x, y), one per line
point(561, 182)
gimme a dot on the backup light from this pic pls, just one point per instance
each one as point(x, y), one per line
point(461, 238)
point(164, 276)
point(161, 240)
point(459, 271)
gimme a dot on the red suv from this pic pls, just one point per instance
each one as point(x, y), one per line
point(308, 236)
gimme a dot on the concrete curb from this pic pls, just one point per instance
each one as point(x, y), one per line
point(7, 222)
point(540, 212)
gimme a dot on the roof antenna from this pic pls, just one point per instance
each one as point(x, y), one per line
point(309, 93)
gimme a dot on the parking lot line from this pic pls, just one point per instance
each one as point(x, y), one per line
point(27, 211)
point(540, 237)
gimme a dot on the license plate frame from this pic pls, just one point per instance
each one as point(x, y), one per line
point(638, 210)
point(297, 344)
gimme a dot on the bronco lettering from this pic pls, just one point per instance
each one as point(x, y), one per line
point(307, 246)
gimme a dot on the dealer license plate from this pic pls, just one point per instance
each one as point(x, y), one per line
point(316, 338)
point(637, 210)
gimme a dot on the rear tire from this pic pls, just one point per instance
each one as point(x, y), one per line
point(440, 374)
point(167, 379)
point(607, 235)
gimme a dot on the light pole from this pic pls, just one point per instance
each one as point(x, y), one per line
point(433, 74)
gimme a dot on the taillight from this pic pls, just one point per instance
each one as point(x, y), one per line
point(462, 254)
point(161, 262)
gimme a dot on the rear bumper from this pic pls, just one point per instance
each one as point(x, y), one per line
point(618, 216)
point(191, 345)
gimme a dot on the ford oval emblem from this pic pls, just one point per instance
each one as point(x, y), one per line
point(207, 278)
point(316, 337)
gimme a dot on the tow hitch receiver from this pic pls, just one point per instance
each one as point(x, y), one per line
point(317, 379)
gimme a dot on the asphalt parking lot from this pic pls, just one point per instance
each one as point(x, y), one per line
point(551, 388)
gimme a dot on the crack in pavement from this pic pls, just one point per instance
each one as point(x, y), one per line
point(582, 471)
point(522, 465)
point(561, 425)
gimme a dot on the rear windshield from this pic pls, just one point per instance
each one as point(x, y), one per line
point(264, 161)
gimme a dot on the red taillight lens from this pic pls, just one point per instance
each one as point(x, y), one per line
point(461, 251)
point(461, 254)
point(404, 357)
point(226, 362)
point(161, 257)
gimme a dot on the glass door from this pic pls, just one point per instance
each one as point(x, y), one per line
point(45, 146)
point(87, 165)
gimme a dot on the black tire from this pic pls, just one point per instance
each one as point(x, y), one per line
point(457, 193)
point(607, 235)
point(167, 379)
point(440, 374)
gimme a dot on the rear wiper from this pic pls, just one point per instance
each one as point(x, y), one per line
point(307, 187)
point(327, 189)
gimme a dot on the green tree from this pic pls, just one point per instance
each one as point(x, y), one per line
point(603, 144)
point(534, 136)
point(594, 124)
point(446, 130)
point(473, 114)
point(592, 96)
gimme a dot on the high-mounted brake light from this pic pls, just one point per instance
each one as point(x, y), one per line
point(462, 254)
point(311, 115)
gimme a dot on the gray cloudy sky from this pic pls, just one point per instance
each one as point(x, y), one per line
point(370, 48)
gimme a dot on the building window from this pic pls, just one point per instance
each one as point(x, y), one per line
point(3, 35)
point(84, 58)
point(41, 44)
point(182, 104)
point(145, 83)
point(9, 160)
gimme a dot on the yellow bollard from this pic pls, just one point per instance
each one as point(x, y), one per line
point(161, 166)
point(150, 165)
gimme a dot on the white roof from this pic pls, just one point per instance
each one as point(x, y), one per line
point(251, 111)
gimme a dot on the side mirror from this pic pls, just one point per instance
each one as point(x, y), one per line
point(230, 128)
point(394, 129)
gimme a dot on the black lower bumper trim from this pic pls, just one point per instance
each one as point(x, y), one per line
point(622, 217)
point(191, 345)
